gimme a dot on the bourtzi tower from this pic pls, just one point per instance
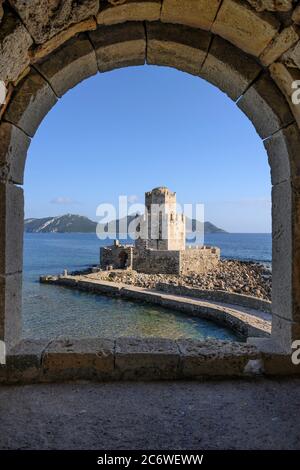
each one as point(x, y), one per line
point(160, 247)
point(165, 228)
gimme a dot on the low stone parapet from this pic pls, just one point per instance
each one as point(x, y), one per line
point(217, 296)
point(104, 359)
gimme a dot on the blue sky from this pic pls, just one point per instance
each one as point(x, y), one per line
point(130, 130)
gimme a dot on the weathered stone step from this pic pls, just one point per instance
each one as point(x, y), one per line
point(146, 359)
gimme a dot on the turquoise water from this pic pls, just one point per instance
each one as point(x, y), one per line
point(51, 310)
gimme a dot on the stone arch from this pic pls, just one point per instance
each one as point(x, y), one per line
point(201, 38)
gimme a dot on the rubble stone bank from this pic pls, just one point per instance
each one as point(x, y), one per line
point(248, 278)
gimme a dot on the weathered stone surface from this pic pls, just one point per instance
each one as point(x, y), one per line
point(279, 364)
point(119, 45)
point(13, 151)
point(12, 224)
point(8, 94)
point(271, 5)
point(291, 58)
point(10, 308)
point(284, 78)
point(14, 44)
point(86, 358)
point(265, 345)
point(278, 157)
point(227, 68)
point(285, 332)
point(130, 10)
point(196, 260)
point(195, 13)
point(54, 43)
point(177, 46)
point(275, 360)
point(44, 19)
point(69, 65)
point(266, 107)
point(244, 27)
point(214, 358)
point(146, 358)
point(296, 254)
point(283, 150)
point(16, 82)
point(11, 250)
point(32, 100)
point(282, 250)
point(287, 38)
point(296, 15)
point(24, 361)
point(152, 262)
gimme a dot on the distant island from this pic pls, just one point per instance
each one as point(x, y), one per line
point(73, 223)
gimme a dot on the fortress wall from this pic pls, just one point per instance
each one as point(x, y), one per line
point(198, 260)
point(114, 256)
point(153, 262)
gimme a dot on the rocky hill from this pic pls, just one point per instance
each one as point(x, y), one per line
point(72, 223)
point(61, 224)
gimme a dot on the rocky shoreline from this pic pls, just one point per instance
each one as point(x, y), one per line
point(239, 277)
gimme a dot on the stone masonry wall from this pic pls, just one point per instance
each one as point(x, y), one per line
point(198, 260)
point(153, 262)
point(116, 256)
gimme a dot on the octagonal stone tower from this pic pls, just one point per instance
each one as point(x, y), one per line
point(165, 227)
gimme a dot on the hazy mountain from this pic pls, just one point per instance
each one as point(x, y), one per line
point(72, 223)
